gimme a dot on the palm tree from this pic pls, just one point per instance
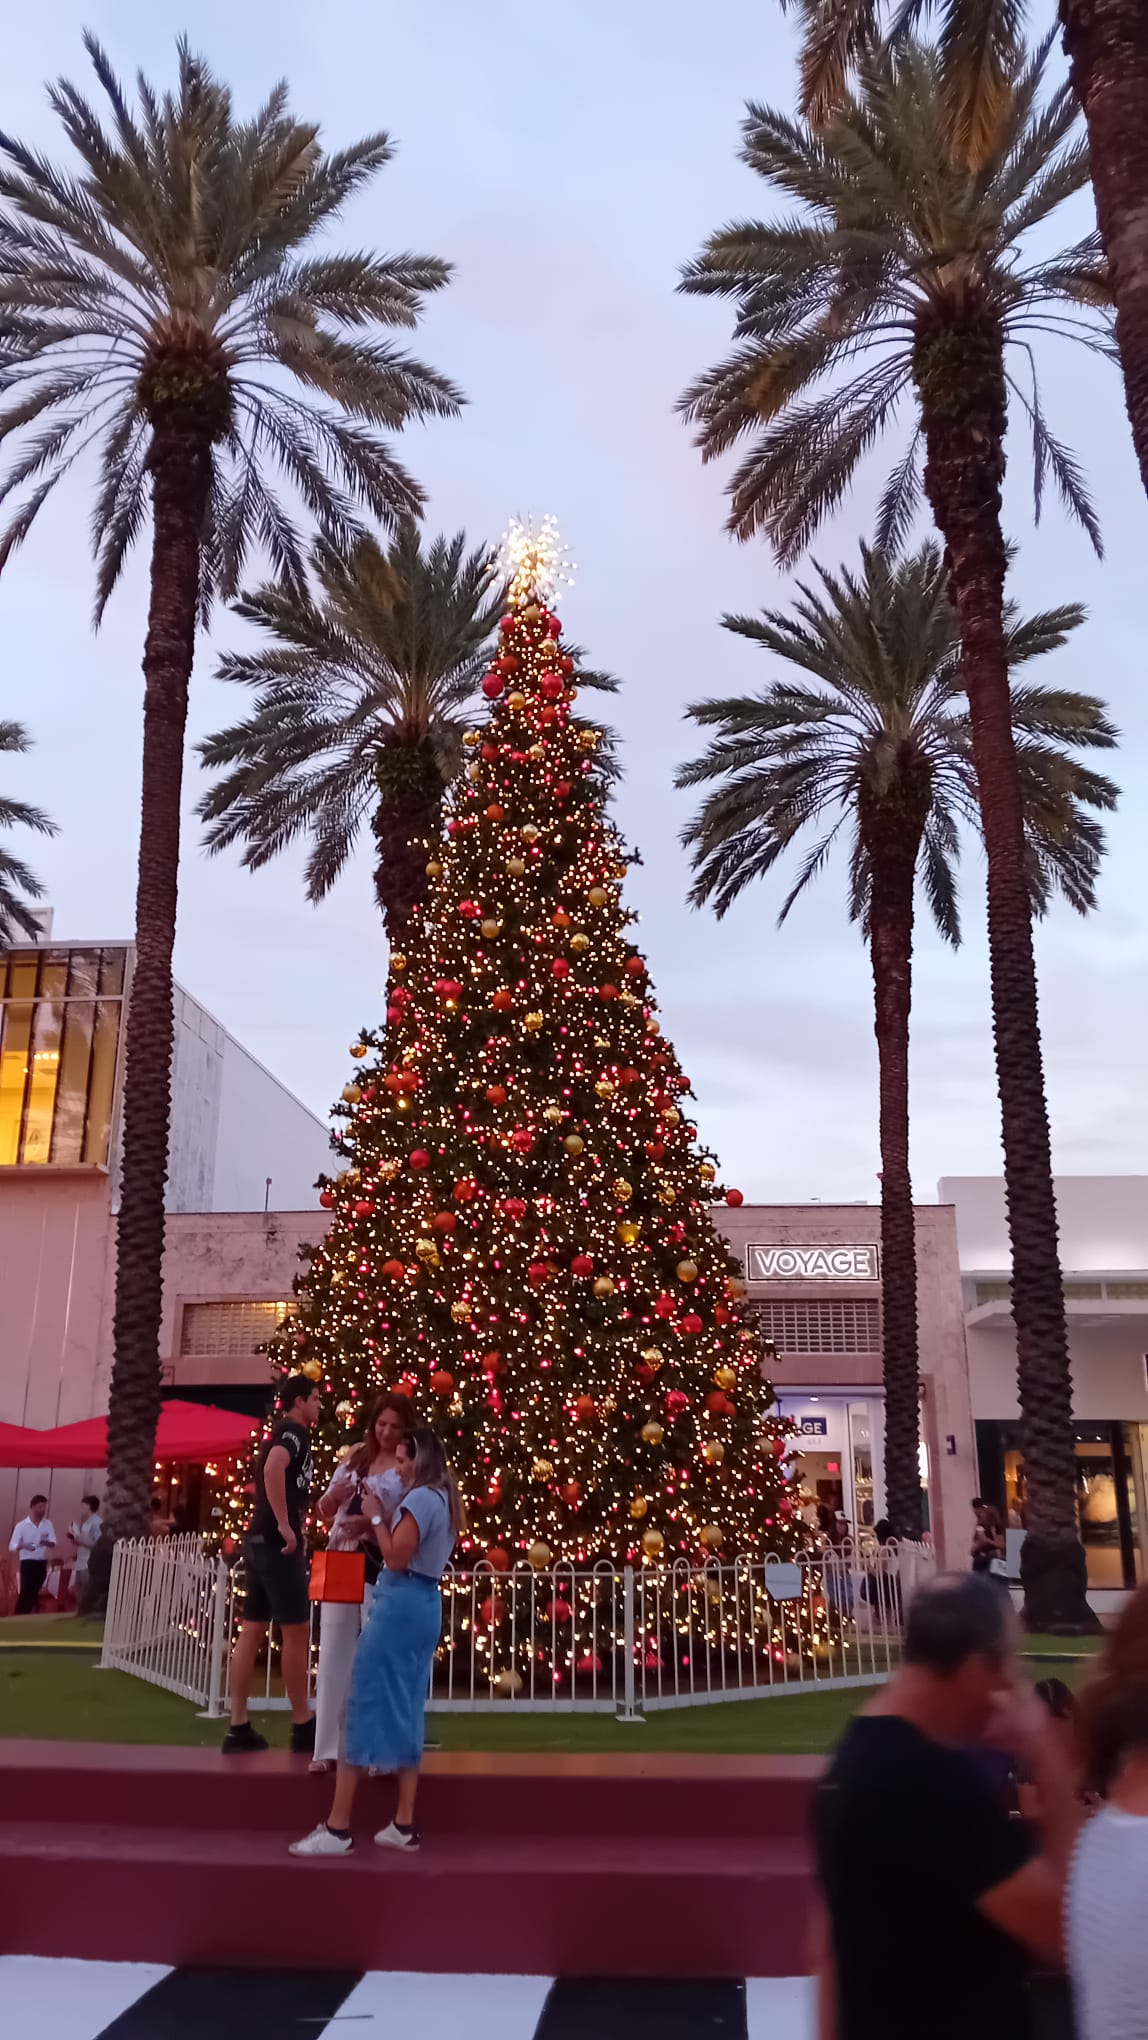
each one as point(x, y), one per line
point(159, 306)
point(15, 877)
point(874, 741)
point(915, 277)
point(1106, 42)
point(361, 709)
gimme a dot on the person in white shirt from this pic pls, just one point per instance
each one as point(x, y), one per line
point(1108, 1883)
point(33, 1541)
point(85, 1535)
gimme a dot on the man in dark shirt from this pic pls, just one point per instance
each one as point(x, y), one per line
point(933, 1897)
point(276, 1568)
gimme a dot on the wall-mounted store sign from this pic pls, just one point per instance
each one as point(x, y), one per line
point(813, 1264)
point(813, 1427)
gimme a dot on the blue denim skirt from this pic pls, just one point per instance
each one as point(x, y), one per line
point(392, 1671)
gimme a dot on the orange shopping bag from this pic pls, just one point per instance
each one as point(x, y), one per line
point(338, 1576)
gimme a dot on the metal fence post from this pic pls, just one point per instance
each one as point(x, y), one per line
point(628, 1710)
point(215, 1678)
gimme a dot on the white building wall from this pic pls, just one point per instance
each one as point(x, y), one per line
point(263, 1131)
point(196, 1087)
point(1103, 1223)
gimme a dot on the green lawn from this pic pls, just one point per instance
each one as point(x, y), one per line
point(49, 1686)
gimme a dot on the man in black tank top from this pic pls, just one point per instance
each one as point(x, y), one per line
point(276, 1570)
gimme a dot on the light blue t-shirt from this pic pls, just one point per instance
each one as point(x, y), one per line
point(430, 1508)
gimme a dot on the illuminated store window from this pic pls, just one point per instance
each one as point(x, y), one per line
point(230, 1331)
point(60, 1013)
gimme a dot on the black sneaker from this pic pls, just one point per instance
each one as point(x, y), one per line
point(243, 1737)
point(303, 1738)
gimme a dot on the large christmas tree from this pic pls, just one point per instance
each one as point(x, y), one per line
point(523, 1238)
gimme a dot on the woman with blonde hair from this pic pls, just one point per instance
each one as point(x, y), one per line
point(396, 1652)
point(367, 1482)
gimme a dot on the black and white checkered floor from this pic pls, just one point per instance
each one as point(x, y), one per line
point(143, 2001)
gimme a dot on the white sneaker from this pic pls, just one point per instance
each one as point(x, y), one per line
point(394, 1837)
point(321, 1842)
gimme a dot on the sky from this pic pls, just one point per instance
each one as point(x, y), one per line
point(567, 162)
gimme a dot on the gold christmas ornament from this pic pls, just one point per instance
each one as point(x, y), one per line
point(629, 999)
point(597, 896)
point(434, 868)
point(530, 832)
point(398, 962)
point(574, 1143)
point(533, 1021)
point(653, 1356)
point(587, 739)
point(470, 738)
point(491, 928)
point(358, 1049)
point(517, 702)
point(553, 1115)
point(623, 1191)
point(351, 1094)
point(667, 1194)
point(345, 1411)
point(711, 1536)
point(604, 1087)
point(508, 1683)
point(629, 1231)
point(516, 866)
point(653, 1026)
point(653, 1543)
point(580, 943)
point(638, 1507)
point(604, 1286)
point(542, 1469)
point(536, 751)
point(388, 1170)
point(425, 1250)
point(687, 1271)
point(601, 1042)
point(652, 1433)
point(540, 1556)
point(671, 1115)
point(312, 1369)
point(714, 1451)
point(725, 1377)
point(706, 1171)
point(532, 613)
point(474, 772)
point(461, 1311)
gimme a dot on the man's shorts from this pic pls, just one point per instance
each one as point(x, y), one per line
point(276, 1585)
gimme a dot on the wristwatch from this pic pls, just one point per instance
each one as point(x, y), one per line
point(375, 1521)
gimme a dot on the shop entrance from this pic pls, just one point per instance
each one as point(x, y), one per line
point(842, 1447)
point(1109, 1493)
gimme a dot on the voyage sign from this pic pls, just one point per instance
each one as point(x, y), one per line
point(813, 1264)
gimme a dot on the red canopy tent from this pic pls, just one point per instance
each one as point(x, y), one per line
point(186, 1431)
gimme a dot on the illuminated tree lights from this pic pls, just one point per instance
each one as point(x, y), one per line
point(522, 1239)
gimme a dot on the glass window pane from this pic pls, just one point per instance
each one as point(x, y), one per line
point(53, 975)
point(14, 1038)
point(22, 975)
point(72, 1091)
point(42, 1083)
point(98, 1132)
point(111, 972)
point(83, 973)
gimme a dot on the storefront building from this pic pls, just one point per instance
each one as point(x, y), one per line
point(1104, 1260)
point(814, 1280)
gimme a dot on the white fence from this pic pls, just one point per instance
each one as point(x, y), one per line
point(607, 1639)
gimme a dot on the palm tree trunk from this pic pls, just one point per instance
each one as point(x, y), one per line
point(959, 372)
point(181, 476)
point(407, 825)
point(893, 841)
point(1106, 42)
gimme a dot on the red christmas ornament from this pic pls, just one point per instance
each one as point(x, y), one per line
point(327, 1199)
point(645, 1373)
point(629, 1077)
point(507, 622)
point(496, 1094)
point(493, 1611)
point(408, 1386)
point(721, 1315)
point(538, 1273)
point(554, 627)
point(560, 968)
point(691, 1324)
point(718, 1404)
point(582, 1264)
point(585, 1408)
point(364, 1208)
point(444, 1221)
point(465, 1189)
point(492, 686)
point(560, 918)
point(469, 909)
point(566, 663)
point(514, 1207)
point(665, 1305)
point(635, 966)
point(489, 753)
point(734, 1197)
point(607, 991)
point(571, 1492)
point(551, 687)
point(496, 1558)
point(780, 1447)
point(394, 1270)
point(496, 812)
point(420, 1159)
point(507, 662)
point(588, 1666)
point(560, 1611)
point(562, 789)
point(522, 1141)
point(676, 1402)
point(502, 1000)
point(442, 1382)
point(656, 1150)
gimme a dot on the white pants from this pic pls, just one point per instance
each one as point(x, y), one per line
point(340, 1627)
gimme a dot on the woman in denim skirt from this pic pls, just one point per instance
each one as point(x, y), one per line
point(396, 1651)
